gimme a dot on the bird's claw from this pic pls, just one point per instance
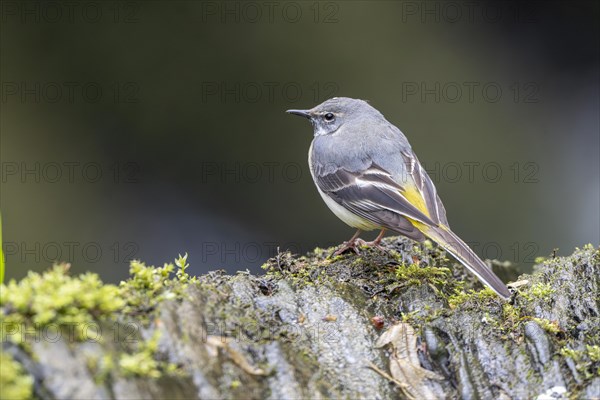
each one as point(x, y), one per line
point(349, 245)
point(375, 244)
point(355, 244)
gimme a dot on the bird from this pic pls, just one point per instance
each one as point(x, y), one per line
point(368, 175)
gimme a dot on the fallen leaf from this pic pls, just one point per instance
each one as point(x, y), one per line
point(417, 382)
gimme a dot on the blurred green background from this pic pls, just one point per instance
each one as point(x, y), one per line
point(147, 129)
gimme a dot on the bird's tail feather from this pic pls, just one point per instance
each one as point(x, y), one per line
point(463, 253)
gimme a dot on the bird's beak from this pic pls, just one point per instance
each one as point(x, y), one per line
point(302, 113)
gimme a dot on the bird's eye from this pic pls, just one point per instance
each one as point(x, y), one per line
point(329, 117)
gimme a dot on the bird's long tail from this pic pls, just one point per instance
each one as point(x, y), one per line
point(463, 253)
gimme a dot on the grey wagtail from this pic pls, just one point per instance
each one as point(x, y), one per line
point(369, 176)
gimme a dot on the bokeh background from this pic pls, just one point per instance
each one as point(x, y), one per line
point(151, 128)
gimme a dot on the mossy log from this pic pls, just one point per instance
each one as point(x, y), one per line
point(407, 322)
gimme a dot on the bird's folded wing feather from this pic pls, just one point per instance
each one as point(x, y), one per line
point(420, 180)
point(368, 192)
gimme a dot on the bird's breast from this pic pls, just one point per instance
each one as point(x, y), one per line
point(339, 210)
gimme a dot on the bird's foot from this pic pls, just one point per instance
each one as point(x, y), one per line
point(374, 244)
point(352, 244)
point(355, 244)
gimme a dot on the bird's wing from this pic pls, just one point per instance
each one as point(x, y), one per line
point(421, 190)
point(369, 192)
point(412, 208)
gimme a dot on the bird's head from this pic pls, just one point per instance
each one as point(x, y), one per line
point(330, 115)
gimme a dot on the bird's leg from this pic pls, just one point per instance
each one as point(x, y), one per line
point(351, 244)
point(377, 241)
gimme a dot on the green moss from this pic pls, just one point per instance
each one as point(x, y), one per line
point(77, 303)
point(593, 352)
point(148, 285)
point(473, 298)
point(320, 253)
point(587, 360)
point(55, 298)
point(511, 317)
point(576, 355)
point(410, 317)
point(583, 364)
point(183, 277)
point(100, 367)
point(299, 271)
point(335, 259)
point(14, 382)
point(539, 290)
point(414, 274)
point(547, 325)
point(143, 362)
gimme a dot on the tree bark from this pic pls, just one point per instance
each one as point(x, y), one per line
point(379, 325)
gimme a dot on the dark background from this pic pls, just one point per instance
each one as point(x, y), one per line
point(147, 129)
